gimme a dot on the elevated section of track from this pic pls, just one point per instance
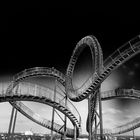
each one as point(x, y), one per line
point(123, 93)
point(30, 92)
point(116, 59)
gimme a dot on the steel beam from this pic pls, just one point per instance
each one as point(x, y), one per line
point(14, 123)
point(10, 124)
point(53, 110)
point(65, 120)
point(89, 113)
point(100, 114)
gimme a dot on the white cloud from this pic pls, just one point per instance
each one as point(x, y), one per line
point(111, 111)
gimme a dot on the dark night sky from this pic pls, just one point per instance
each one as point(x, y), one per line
point(45, 35)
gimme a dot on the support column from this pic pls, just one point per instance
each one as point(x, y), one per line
point(10, 124)
point(52, 123)
point(14, 123)
point(95, 127)
point(75, 133)
point(100, 113)
point(133, 134)
point(53, 110)
point(89, 113)
point(65, 121)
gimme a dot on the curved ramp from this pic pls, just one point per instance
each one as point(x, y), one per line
point(123, 93)
point(97, 64)
point(120, 93)
point(36, 93)
point(123, 54)
point(46, 72)
point(100, 72)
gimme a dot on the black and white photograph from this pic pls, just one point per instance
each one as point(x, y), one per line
point(70, 71)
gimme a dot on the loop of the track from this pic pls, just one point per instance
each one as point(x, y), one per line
point(123, 54)
point(101, 70)
point(47, 72)
point(115, 60)
point(97, 65)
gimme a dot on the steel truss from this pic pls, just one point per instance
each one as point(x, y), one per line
point(90, 88)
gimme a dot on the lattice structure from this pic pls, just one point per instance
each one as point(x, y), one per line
point(123, 93)
point(19, 91)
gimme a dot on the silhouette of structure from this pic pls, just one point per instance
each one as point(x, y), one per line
point(19, 90)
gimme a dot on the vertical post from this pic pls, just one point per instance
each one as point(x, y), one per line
point(95, 127)
point(133, 134)
point(65, 121)
point(13, 129)
point(100, 114)
point(15, 117)
point(10, 124)
point(53, 110)
point(75, 133)
point(89, 113)
point(52, 123)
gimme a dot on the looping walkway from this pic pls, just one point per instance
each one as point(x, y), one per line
point(31, 92)
point(101, 70)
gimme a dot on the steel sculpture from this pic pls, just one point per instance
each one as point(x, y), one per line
point(90, 89)
point(100, 71)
